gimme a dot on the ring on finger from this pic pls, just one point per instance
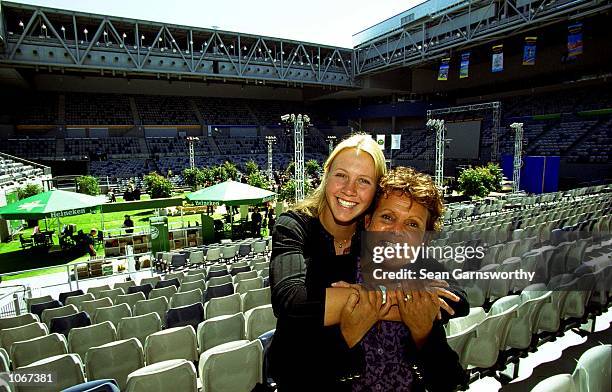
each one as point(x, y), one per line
point(407, 297)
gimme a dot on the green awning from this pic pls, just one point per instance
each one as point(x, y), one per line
point(230, 193)
point(52, 204)
point(142, 204)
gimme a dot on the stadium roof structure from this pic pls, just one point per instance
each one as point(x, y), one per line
point(52, 204)
point(230, 193)
point(68, 41)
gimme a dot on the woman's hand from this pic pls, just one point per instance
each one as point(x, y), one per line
point(385, 311)
point(418, 309)
point(439, 288)
point(359, 314)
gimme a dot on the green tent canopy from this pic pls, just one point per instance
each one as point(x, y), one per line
point(51, 204)
point(230, 193)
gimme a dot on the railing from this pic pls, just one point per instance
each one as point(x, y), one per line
point(12, 301)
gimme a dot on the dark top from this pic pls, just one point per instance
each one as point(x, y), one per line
point(128, 223)
point(304, 354)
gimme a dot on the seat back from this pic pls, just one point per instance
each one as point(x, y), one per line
point(64, 324)
point(115, 360)
point(172, 343)
point(556, 383)
point(97, 289)
point(259, 320)
point(49, 314)
point(254, 298)
point(26, 352)
point(244, 275)
point(64, 296)
point(213, 254)
point(218, 330)
point(225, 305)
point(185, 315)
point(77, 299)
point(40, 307)
point(18, 321)
point(166, 292)
point(113, 314)
point(249, 284)
point(239, 269)
point(67, 371)
point(105, 385)
point(196, 257)
point(186, 298)
point(189, 278)
point(219, 280)
point(143, 288)
point(592, 371)
point(90, 307)
point(130, 299)
point(213, 291)
point(112, 294)
point(125, 285)
point(174, 275)
point(167, 283)
point(157, 305)
point(139, 327)
point(216, 272)
point(82, 339)
point(150, 280)
point(198, 284)
point(36, 300)
point(172, 375)
point(233, 366)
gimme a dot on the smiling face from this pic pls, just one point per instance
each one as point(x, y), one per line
point(350, 188)
point(396, 212)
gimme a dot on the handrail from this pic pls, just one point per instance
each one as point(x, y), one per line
point(46, 169)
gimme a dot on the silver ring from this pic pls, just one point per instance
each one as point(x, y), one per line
point(407, 298)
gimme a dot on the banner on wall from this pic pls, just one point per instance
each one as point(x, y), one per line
point(380, 139)
point(464, 69)
point(497, 61)
point(529, 51)
point(443, 73)
point(574, 40)
point(396, 140)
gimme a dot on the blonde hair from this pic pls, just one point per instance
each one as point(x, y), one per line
point(419, 187)
point(315, 203)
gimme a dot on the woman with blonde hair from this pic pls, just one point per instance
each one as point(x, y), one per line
point(315, 244)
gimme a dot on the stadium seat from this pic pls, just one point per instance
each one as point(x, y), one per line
point(83, 338)
point(239, 269)
point(115, 360)
point(77, 299)
point(593, 370)
point(174, 275)
point(18, 321)
point(244, 275)
point(556, 383)
point(185, 315)
point(229, 252)
point(213, 254)
point(249, 284)
point(261, 266)
point(213, 291)
point(167, 283)
point(64, 324)
point(28, 351)
point(244, 250)
point(130, 299)
point(64, 296)
point(166, 292)
point(8, 336)
point(254, 298)
point(37, 300)
point(196, 271)
point(151, 280)
point(219, 280)
point(224, 305)
point(186, 298)
point(216, 271)
point(259, 247)
point(524, 326)
point(157, 305)
point(66, 369)
point(172, 375)
point(139, 327)
point(198, 284)
point(90, 307)
point(462, 329)
point(143, 288)
point(196, 257)
point(189, 278)
point(106, 385)
point(259, 320)
point(113, 314)
point(125, 285)
point(112, 294)
point(97, 289)
point(218, 330)
point(40, 307)
point(171, 343)
point(49, 314)
point(234, 366)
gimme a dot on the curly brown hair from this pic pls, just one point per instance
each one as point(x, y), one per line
point(419, 187)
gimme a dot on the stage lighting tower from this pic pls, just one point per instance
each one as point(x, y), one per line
point(271, 140)
point(191, 140)
point(518, 156)
point(439, 127)
point(298, 121)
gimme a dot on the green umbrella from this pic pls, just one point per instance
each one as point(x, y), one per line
point(231, 193)
point(51, 204)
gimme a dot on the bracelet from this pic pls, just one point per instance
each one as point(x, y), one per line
point(383, 289)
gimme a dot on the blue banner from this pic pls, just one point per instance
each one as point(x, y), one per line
point(464, 69)
point(497, 61)
point(443, 73)
point(529, 51)
point(574, 40)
